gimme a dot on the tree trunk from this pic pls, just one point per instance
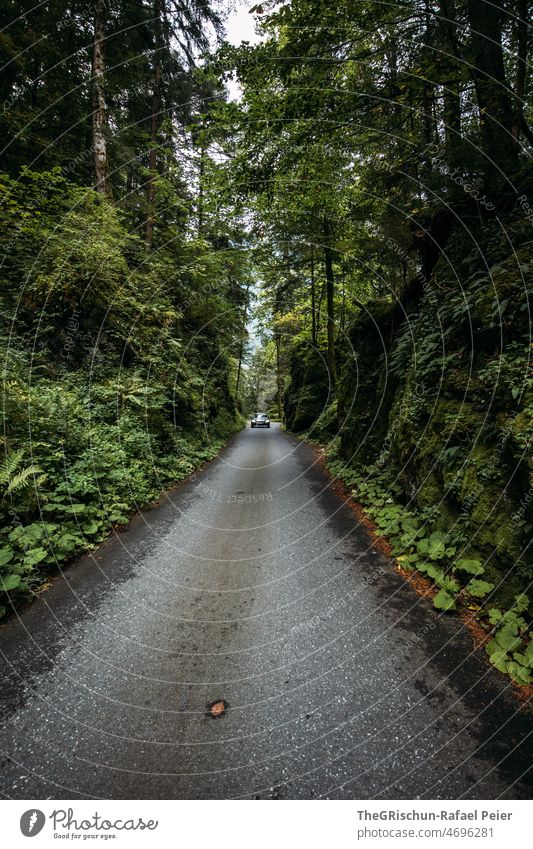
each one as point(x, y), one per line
point(99, 106)
point(330, 288)
point(428, 89)
point(201, 190)
point(521, 68)
point(278, 372)
point(451, 92)
point(313, 298)
point(241, 342)
point(492, 92)
point(154, 124)
point(319, 310)
point(343, 303)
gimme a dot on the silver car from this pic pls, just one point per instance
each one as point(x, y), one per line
point(260, 420)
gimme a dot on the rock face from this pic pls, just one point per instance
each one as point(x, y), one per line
point(440, 393)
point(309, 393)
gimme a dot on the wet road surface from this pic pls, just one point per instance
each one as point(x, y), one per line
point(251, 584)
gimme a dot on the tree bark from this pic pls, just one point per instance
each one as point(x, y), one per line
point(99, 105)
point(521, 68)
point(451, 92)
point(313, 298)
point(492, 92)
point(278, 372)
point(330, 289)
point(154, 124)
point(201, 190)
point(241, 341)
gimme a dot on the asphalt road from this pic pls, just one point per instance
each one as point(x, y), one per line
point(252, 584)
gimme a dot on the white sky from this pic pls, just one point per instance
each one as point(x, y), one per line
point(240, 26)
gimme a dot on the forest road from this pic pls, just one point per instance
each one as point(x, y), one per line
point(253, 584)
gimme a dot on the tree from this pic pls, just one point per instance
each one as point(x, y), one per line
point(99, 105)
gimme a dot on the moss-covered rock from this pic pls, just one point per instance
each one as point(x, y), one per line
point(443, 399)
point(308, 393)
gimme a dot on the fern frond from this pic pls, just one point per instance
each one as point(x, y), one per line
point(9, 465)
point(21, 479)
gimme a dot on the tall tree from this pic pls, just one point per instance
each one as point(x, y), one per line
point(155, 118)
point(492, 90)
point(330, 299)
point(99, 104)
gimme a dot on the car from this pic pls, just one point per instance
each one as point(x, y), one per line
point(260, 420)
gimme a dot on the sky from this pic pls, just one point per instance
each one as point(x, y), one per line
point(240, 26)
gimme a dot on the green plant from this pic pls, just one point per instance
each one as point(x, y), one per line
point(511, 648)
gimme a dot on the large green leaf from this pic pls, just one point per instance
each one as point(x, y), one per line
point(6, 554)
point(10, 582)
point(498, 656)
point(76, 508)
point(473, 567)
point(521, 603)
point(519, 673)
point(34, 556)
point(507, 638)
point(479, 588)
point(444, 601)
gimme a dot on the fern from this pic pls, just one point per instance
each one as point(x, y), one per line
point(9, 466)
point(21, 479)
point(13, 479)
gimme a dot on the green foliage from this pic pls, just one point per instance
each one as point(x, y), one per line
point(114, 403)
point(444, 601)
point(479, 588)
point(511, 648)
point(473, 567)
point(431, 553)
point(97, 469)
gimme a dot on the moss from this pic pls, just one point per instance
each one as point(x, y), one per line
point(308, 392)
point(429, 492)
point(454, 425)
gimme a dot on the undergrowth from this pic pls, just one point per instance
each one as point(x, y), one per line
point(460, 576)
point(93, 459)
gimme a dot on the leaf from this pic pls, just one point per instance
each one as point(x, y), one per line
point(118, 518)
point(444, 601)
point(6, 554)
point(21, 479)
point(479, 588)
point(69, 542)
point(76, 508)
point(523, 660)
point(408, 561)
point(519, 673)
point(473, 567)
point(91, 527)
point(8, 466)
point(10, 582)
point(498, 656)
point(521, 603)
point(34, 556)
point(506, 638)
point(448, 584)
point(434, 572)
point(529, 650)
point(495, 616)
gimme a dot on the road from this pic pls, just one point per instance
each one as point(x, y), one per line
point(253, 584)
